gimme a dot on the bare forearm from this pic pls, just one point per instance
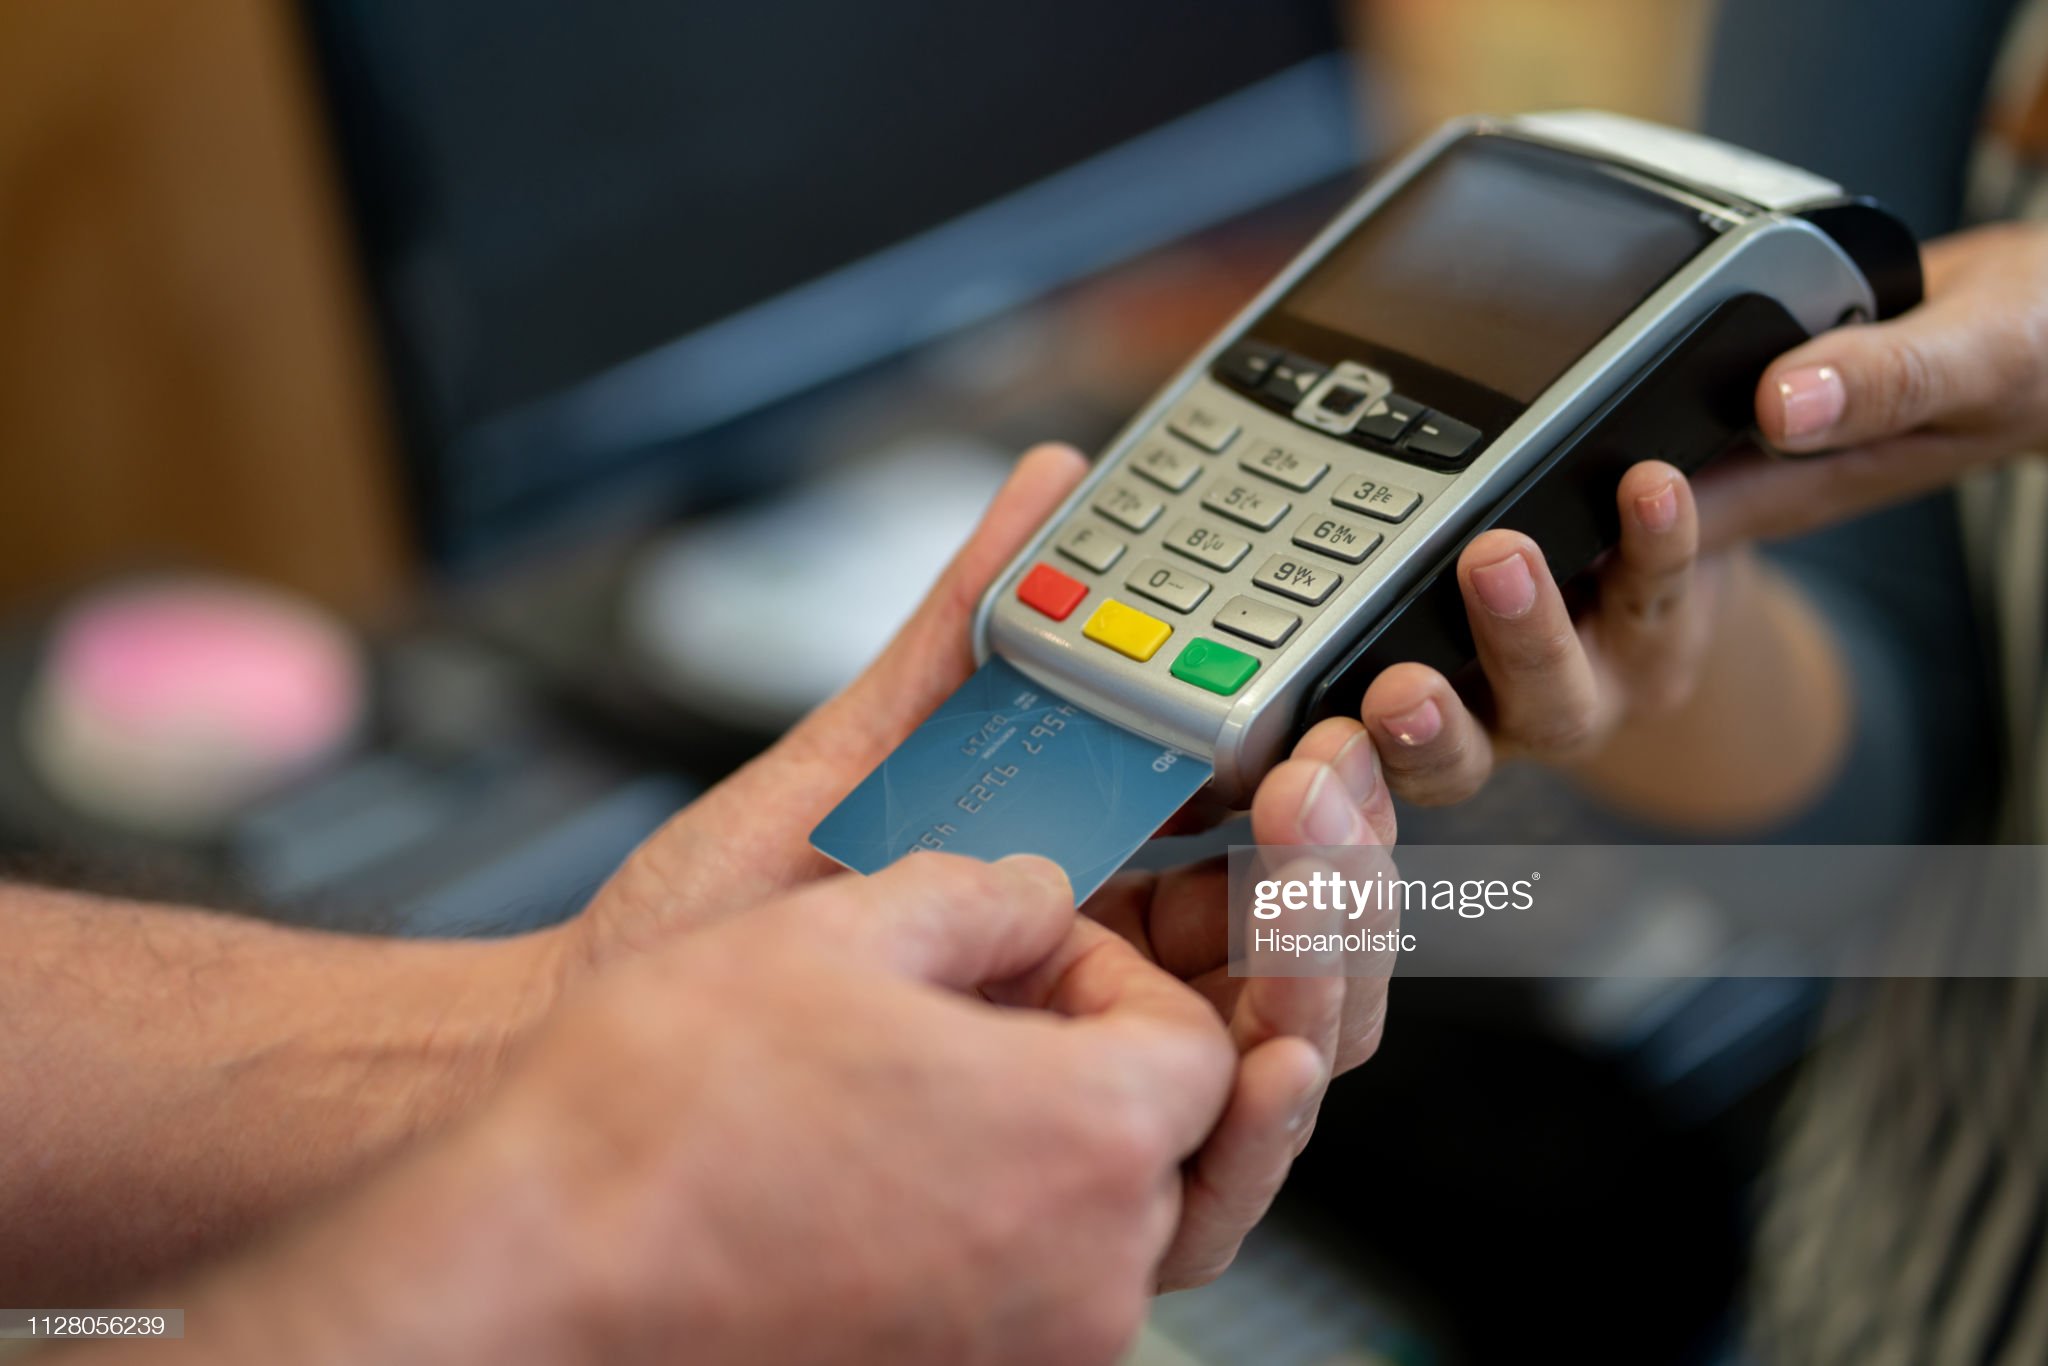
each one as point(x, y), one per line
point(458, 1255)
point(1762, 733)
point(177, 1079)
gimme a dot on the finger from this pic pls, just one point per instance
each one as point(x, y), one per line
point(1944, 361)
point(1305, 802)
point(1649, 626)
point(1546, 700)
point(1305, 1008)
point(1341, 1017)
point(725, 841)
point(946, 919)
point(1756, 497)
point(1362, 1023)
point(1340, 1013)
point(1176, 917)
point(1161, 1041)
point(1433, 752)
point(1346, 746)
point(1232, 1180)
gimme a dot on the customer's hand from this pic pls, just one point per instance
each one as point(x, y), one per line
point(748, 839)
point(794, 1135)
point(1328, 792)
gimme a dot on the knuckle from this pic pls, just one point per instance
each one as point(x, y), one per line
point(1121, 1144)
point(1102, 1324)
point(820, 913)
point(2013, 359)
point(977, 883)
point(950, 873)
point(1649, 556)
point(1540, 650)
point(1650, 600)
point(1219, 1055)
point(1556, 731)
point(951, 881)
point(1456, 779)
point(1909, 383)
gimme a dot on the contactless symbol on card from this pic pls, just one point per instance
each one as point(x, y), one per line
point(1006, 767)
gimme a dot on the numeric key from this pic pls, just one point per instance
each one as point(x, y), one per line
point(1170, 587)
point(1091, 546)
point(1126, 506)
point(1291, 576)
point(1170, 467)
point(1205, 544)
point(1284, 465)
point(1241, 502)
point(1338, 537)
point(1204, 427)
point(1376, 498)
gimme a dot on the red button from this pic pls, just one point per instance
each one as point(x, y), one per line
point(1051, 592)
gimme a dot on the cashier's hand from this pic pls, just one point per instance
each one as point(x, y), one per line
point(1889, 410)
point(1558, 688)
point(747, 841)
point(1905, 406)
point(1328, 792)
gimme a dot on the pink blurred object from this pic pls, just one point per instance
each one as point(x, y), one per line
point(167, 705)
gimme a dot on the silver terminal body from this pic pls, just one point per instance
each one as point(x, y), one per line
point(1418, 512)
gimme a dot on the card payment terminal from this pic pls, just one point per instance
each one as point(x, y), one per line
point(1488, 336)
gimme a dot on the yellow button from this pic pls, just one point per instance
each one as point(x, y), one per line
point(1126, 630)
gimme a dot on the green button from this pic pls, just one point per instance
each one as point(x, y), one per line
point(1218, 668)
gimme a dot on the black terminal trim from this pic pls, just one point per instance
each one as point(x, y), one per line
point(1271, 373)
point(1693, 402)
point(1882, 247)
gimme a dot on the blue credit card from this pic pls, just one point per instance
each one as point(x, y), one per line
point(1006, 767)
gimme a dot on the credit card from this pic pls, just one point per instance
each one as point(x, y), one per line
point(1005, 766)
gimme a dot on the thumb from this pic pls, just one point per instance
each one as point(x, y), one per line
point(1132, 1020)
point(1861, 384)
point(745, 837)
point(945, 919)
point(932, 654)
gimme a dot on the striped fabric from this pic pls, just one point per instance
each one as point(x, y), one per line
point(1905, 1218)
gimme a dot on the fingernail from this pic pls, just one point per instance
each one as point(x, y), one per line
point(1042, 871)
point(1656, 512)
point(1812, 400)
point(1358, 765)
point(1327, 815)
point(1418, 726)
point(1506, 587)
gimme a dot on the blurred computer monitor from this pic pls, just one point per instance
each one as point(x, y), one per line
point(594, 233)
